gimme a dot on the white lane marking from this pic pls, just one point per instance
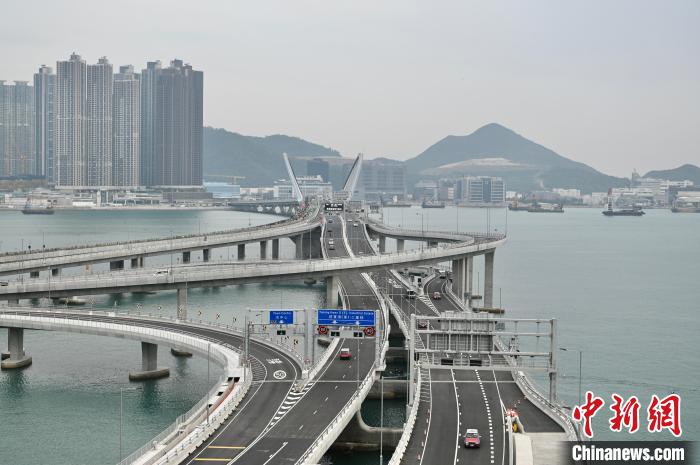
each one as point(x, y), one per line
point(301, 427)
point(284, 444)
point(459, 415)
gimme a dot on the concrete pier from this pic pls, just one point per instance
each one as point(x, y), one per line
point(241, 251)
point(206, 253)
point(263, 250)
point(186, 257)
point(332, 291)
point(149, 364)
point(116, 265)
point(177, 352)
point(382, 244)
point(55, 272)
point(134, 262)
point(15, 356)
point(488, 278)
point(400, 244)
point(275, 249)
point(33, 274)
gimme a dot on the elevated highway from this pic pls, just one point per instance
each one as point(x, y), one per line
point(304, 429)
point(223, 274)
point(136, 251)
point(256, 407)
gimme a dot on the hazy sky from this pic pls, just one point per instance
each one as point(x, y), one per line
point(615, 84)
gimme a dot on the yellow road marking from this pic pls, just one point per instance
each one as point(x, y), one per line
point(212, 460)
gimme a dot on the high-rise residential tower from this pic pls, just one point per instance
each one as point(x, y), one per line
point(70, 106)
point(44, 85)
point(98, 119)
point(149, 79)
point(126, 127)
point(177, 160)
point(16, 129)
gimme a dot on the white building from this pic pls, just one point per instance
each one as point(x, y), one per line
point(483, 190)
point(126, 124)
point(98, 118)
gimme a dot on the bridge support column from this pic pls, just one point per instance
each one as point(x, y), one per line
point(399, 245)
point(382, 244)
point(241, 251)
point(182, 303)
point(263, 250)
point(116, 265)
point(149, 364)
point(55, 271)
point(135, 262)
point(16, 358)
point(205, 254)
point(33, 274)
point(457, 278)
point(186, 256)
point(470, 275)
point(332, 291)
point(488, 278)
point(275, 249)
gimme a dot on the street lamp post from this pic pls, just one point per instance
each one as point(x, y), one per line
point(580, 368)
point(121, 417)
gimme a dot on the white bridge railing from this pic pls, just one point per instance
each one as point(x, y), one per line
point(142, 278)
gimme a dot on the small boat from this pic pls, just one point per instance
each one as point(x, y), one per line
point(32, 208)
point(634, 211)
point(546, 208)
point(432, 204)
point(397, 205)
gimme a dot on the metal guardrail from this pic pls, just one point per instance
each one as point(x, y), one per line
point(533, 395)
point(408, 426)
point(202, 432)
point(426, 234)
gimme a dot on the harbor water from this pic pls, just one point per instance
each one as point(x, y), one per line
point(624, 291)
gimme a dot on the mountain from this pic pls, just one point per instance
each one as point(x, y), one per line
point(259, 159)
point(682, 173)
point(498, 151)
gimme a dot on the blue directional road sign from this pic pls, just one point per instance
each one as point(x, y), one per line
point(281, 317)
point(345, 317)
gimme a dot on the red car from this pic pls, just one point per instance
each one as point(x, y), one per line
point(437, 295)
point(472, 438)
point(345, 354)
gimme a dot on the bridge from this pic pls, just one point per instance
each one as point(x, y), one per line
point(260, 419)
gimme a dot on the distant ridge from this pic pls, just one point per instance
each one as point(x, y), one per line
point(259, 159)
point(684, 172)
point(524, 164)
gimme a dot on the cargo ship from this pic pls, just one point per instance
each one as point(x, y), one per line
point(31, 208)
point(634, 211)
point(514, 207)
